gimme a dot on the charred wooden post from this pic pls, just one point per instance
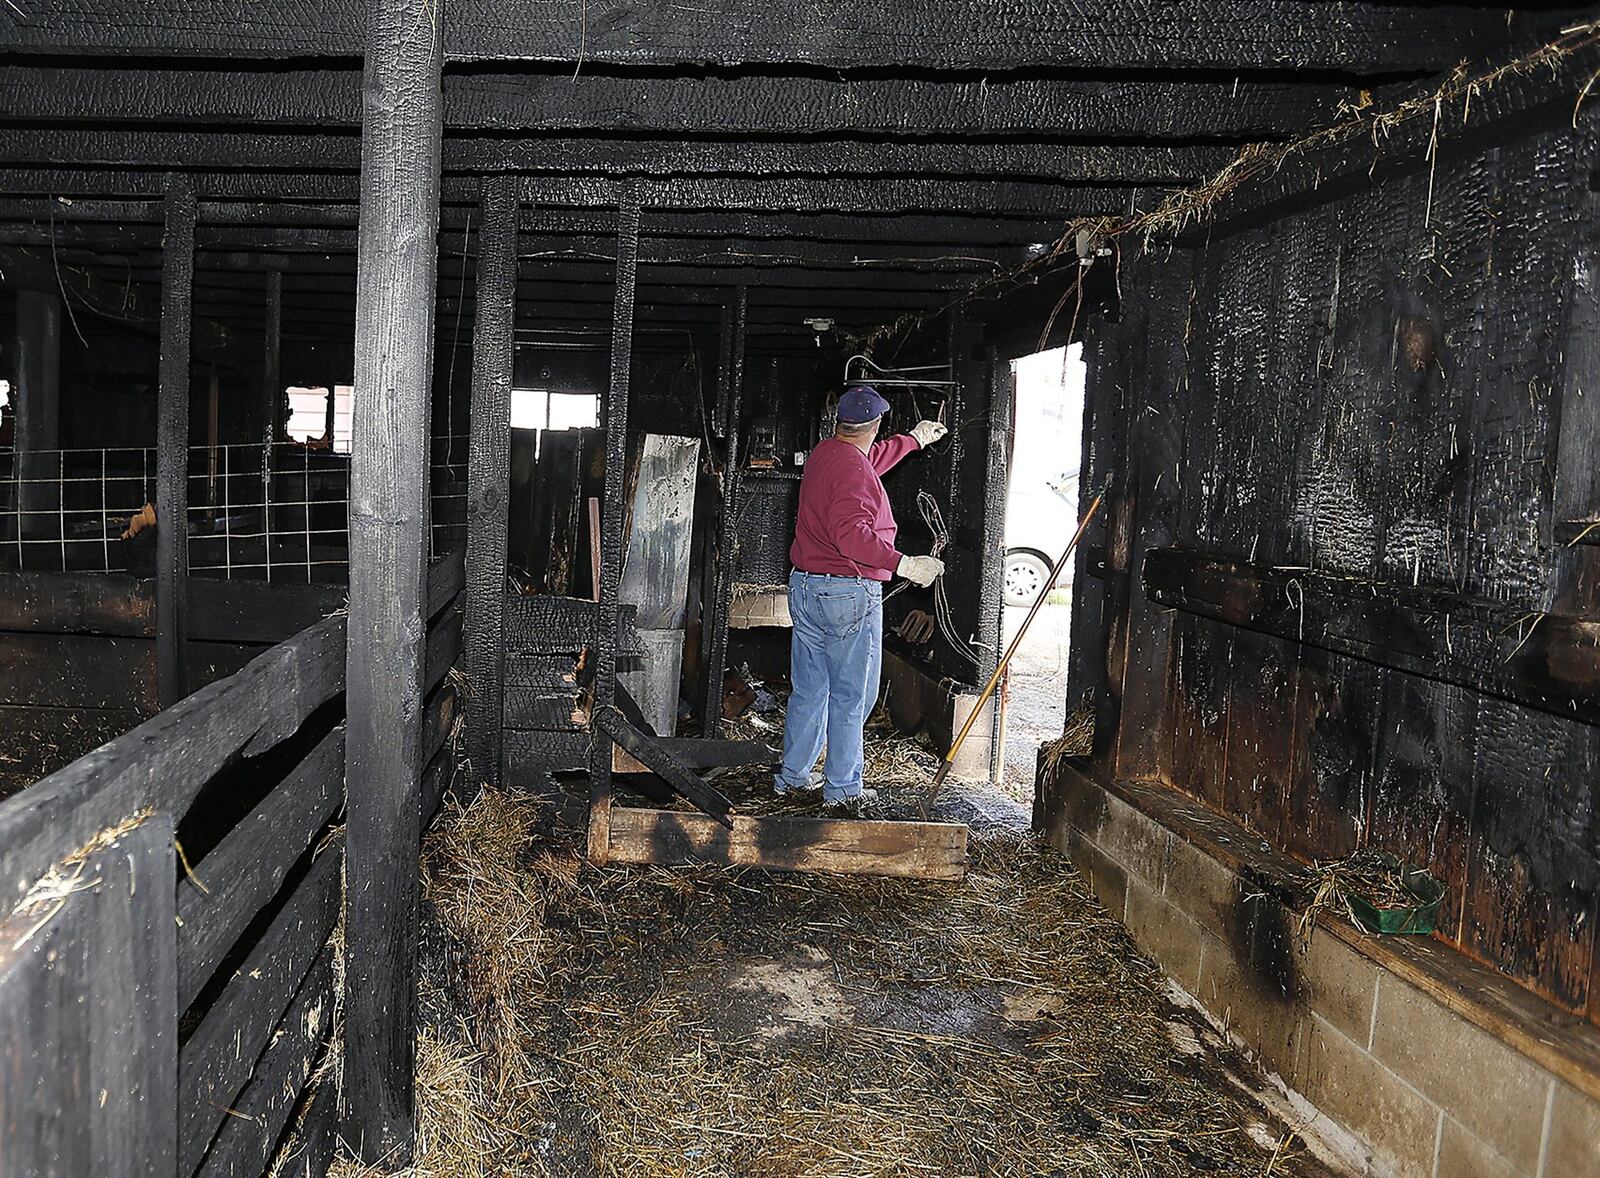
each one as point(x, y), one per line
point(271, 402)
point(397, 265)
point(992, 556)
point(611, 511)
point(36, 401)
point(489, 474)
point(172, 445)
point(714, 623)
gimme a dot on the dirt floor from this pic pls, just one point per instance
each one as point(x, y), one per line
point(1036, 706)
point(691, 1021)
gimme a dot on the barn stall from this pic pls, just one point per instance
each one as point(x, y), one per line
point(603, 276)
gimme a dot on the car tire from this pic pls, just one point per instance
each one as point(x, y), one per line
point(1024, 577)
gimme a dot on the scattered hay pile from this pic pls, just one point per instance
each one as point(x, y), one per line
point(701, 1022)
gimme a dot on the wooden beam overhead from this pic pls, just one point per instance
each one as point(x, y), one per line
point(219, 216)
point(562, 103)
point(340, 151)
point(835, 34)
point(885, 195)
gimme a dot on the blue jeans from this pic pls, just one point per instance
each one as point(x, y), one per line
point(835, 659)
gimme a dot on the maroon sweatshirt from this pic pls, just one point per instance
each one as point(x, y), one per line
point(844, 525)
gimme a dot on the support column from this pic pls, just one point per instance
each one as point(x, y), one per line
point(396, 271)
point(172, 444)
point(271, 403)
point(36, 404)
point(714, 612)
point(489, 475)
point(992, 555)
point(611, 519)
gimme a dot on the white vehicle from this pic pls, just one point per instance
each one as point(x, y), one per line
point(1040, 519)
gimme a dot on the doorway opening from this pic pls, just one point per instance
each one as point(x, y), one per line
point(1042, 509)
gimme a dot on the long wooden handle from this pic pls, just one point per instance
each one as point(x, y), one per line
point(1005, 659)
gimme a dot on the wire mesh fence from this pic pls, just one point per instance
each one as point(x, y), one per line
point(279, 513)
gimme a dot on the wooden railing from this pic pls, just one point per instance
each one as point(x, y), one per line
point(167, 910)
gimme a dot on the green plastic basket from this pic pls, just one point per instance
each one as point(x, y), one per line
point(1420, 919)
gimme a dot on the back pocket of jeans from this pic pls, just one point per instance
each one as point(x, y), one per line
point(842, 613)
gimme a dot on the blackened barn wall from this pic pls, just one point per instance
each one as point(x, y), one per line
point(1337, 595)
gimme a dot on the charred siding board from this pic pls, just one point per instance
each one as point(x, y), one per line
point(1376, 389)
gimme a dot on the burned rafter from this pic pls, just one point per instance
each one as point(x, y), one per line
point(1141, 107)
point(219, 217)
point(917, 34)
point(886, 195)
point(341, 151)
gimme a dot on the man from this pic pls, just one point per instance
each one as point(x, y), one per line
point(842, 554)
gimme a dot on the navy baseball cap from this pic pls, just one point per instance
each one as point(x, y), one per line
point(861, 404)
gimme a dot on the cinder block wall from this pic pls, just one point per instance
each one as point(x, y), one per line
point(1439, 1067)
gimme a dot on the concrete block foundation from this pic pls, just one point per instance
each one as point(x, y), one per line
point(1429, 1064)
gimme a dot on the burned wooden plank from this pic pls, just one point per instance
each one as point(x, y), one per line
point(166, 760)
point(518, 101)
point(547, 673)
point(172, 445)
point(216, 1061)
point(110, 604)
point(1152, 164)
point(1545, 661)
point(696, 753)
point(916, 850)
point(648, 751)
point(529, 756)
point(927, 34)
point(443, 649)
point(767, 193)
point(86, 1005)
point(539, 625)
point(241, 875)
point(244, 1146)
point(532, 708)
point(128, 986)
point(447, 576)
point(489, 473)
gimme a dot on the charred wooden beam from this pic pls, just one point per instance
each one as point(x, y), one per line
point(1004, 197)
point(649, 752)
point(918, 850)
point(36, 409)
point(172, 448)
point(489, 474)
point(611, 515)
point(341, 151)
point(216, 1061)
point(388, 555)
point(1546, 661)
point(560, 104)
point(926, 34)
point(219, 217)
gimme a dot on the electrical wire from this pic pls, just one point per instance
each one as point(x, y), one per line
point(943, 617)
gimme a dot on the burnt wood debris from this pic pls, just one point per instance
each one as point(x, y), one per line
point(1335, 273)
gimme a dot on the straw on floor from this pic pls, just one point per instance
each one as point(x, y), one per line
point(701, 1022)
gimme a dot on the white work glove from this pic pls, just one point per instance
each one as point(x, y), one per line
point(928, 432)
point(920, 570)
